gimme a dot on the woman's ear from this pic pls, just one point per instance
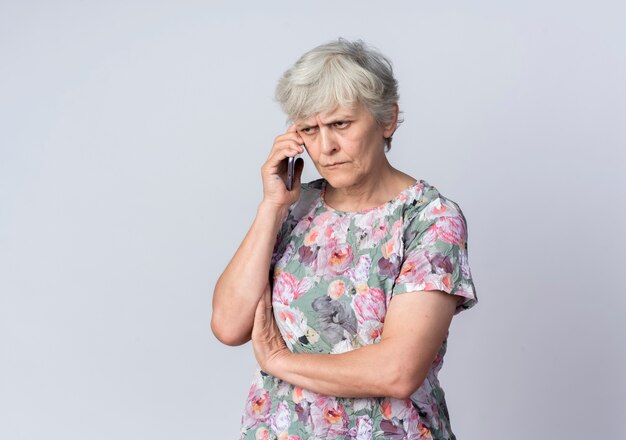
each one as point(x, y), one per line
point(390, 128)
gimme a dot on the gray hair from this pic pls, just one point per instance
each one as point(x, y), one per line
point(339, 73)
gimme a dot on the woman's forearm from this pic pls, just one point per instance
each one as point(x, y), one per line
point(240, 286)
point(416, 326)
point(369, 371)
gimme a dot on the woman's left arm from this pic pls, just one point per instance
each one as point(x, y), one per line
point(416, 324)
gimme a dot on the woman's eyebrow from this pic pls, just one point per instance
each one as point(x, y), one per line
point(331, 121)
point(337, 118)
point(305, 126)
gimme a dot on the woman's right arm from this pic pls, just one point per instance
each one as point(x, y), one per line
point(246, 277)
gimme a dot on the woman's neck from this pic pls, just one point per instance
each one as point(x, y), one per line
point(377, 189)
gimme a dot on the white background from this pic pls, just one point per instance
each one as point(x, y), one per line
point(131, 139)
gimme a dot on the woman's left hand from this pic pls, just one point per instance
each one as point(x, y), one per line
point(268, 343)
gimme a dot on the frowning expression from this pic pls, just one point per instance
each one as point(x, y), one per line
point(345, 144)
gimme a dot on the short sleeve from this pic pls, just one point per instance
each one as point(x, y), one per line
point(435, 253)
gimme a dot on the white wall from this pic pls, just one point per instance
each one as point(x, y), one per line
point(131, 140)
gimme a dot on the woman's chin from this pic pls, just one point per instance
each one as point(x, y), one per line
point(338, 181)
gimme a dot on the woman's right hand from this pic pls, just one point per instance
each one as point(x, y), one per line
point(274, 170)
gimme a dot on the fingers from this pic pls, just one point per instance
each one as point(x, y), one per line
point(285, 145)
point(265, 302)
point(285, 148)
point(267, 296)
point(291, 133)
point(258, 314)
point(290, 140)
point(263, 316)
point(274, 171)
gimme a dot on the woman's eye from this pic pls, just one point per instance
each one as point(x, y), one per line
point(341, 124)
point(307, 130)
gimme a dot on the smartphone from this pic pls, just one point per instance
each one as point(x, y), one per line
point(291, 161)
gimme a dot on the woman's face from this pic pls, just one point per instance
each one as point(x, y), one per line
point(345, 144)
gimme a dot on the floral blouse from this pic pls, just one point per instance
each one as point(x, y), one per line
point(334, 273)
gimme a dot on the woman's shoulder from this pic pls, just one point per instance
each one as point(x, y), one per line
point(425, 202)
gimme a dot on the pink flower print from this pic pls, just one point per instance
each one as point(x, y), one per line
point(379, 231)
point(435, 208)
point(262, 434)
point(334, 259)
point(374, 219)
point(401, 420)
point(302, 226)
point(424, 432)
point(361, 271)
point(393, 429)
point(435, 281)
point(371, 228)
point(414, 269)
point(340, 258)
point(258, 406)
point(284, 259)
point(312, 237)
point(325, 218)
point(336, 289)
point(337, 229)
point(370, 306)
point(291, 322)
point(334, 415)
point(363, 429)
point(281, 419)
point(329, 418)
point(298, 394)
point(450, 229)
point(370, 332)
point(390, 247)
point(400, 408)
point(327, 226)
point(438, 282)
point(396, 229)
point(287, 288)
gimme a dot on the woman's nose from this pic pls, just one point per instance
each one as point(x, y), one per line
point(327, 141)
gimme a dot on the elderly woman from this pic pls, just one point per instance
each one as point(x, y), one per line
point(367, 266)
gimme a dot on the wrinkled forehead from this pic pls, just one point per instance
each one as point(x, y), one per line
point(338, 112)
